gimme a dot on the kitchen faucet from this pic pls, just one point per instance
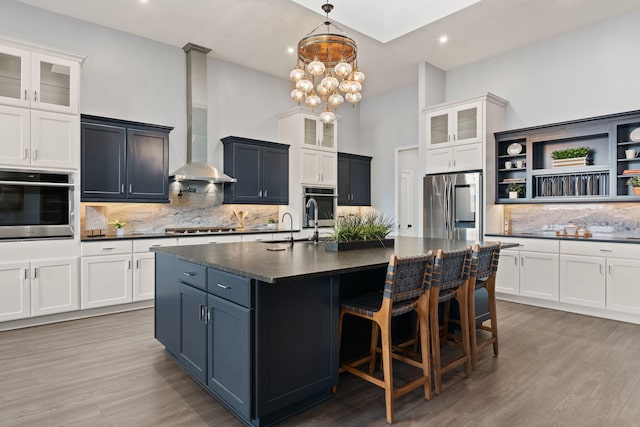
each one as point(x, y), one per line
point(290, 228)
point(313, 202)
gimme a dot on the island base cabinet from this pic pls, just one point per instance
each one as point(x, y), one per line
point(229, 348)
point(623, 286)
point(582, 280)
point(296, 360)
point(167, 314)
point(192, 352)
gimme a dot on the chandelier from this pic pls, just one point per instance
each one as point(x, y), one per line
point(326, 69)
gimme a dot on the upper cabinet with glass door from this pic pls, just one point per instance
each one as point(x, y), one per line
point(460, 124)
point(318, 134)
point(38, 81)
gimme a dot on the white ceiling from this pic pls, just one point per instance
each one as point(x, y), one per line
point(257, 33)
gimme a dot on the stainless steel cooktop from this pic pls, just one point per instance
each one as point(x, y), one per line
point(199, 230)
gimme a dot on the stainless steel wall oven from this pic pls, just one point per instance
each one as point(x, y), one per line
point(36, 205)
point(327, 200)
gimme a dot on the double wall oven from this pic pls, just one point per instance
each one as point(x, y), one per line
point(36, 205)
point(327, 200)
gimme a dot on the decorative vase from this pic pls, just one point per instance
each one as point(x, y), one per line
point(636, 191)
point(119, 232)
point(513, 194)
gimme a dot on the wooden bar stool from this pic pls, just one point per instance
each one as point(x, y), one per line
point(450, 281)
point(406, 289)
point(484, 265)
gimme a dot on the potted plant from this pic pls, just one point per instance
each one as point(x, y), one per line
point(635, 184)
point(516, 190)
point(271, 224)
point(119, 226)
point(579, 156)
point(361, 231)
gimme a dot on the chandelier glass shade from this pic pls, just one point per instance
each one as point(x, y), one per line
point(327, 70)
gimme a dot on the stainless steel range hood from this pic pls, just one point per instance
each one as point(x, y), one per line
point(197, 168)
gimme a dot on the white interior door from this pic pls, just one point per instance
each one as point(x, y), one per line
point(407, 191)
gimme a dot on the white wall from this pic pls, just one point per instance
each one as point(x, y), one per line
point(588, 72)
point(387, 121)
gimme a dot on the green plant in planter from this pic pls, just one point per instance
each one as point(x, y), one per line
point(634, 182)
point(516, 187)
point(117, 224)
point(572, 153)
point(362, 227)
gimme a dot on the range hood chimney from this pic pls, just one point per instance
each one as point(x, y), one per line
point(197, 168)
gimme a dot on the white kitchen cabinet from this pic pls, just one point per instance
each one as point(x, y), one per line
point(30, 78)
point(508, 275)
point(317, 134)
point(54, 286)
point(582, 280)
point(209, 238)
point(318, 167)
point(257, 237)
point(623, 285)
point(457, 124)
point(119, 271)
point(39, 96)
point(15, 291)
point(459, 135)
point(539, 275)
point(460, 158)
point(39, 138)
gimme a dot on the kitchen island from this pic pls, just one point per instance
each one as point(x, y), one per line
point(256, 324)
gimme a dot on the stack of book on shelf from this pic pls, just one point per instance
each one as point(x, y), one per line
point(514, 180)
point(628, 172)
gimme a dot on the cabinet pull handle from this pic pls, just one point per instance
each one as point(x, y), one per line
point(265, 194)
point(600, 268)
point(26, 154)
point(515, 261)
point(606, 250)
point(137, 264)
point(155, 246)
point(25, 95)
point(209, 315)
point(35, 95)
point(130, 188)
point(35, 273)
point(35, 154)
point(454, 137)
point(26, 273)
point(609, 269)
point(201, 307)
point(259, 193)
point(522, 261)
point(129, 263)
point(449, 138)
point(122, 189)
point(224, 286)
point(454, 162)
point(108, 249)
point(188, 274)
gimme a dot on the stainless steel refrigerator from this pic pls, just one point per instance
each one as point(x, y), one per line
point(453, 206)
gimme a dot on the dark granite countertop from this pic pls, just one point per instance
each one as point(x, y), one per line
point(552, 236)
point(88, 238)
point(263, 261)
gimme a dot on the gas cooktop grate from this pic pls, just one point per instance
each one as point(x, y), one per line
point(199, 230)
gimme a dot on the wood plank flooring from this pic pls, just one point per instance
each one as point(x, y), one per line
point(554, 369)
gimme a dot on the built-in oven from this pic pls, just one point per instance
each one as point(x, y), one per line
point(327, 201)
point(36, 205)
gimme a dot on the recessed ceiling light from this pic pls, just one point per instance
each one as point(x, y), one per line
point(443, 39)
point(143, 1)
point(290, 50)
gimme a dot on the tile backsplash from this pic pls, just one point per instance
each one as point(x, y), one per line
point(202, 208)
point(616, 218)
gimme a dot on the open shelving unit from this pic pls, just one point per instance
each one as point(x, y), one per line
point(602, 177)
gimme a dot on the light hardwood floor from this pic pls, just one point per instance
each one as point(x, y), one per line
point(554, 369)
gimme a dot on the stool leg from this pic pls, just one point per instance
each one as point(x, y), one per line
point(385, 334)
point(423, 319)
point(374, 344)
point(464, 327)
point(491, 290)
point(435, 339)
point(473, 339)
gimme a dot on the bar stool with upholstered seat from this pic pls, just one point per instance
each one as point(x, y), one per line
point(406, 289)
point(450, 281)
point(484, 266)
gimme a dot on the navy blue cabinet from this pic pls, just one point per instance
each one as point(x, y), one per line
point(167, 313)
point(124, 161)
point(192, 352)
point(354, 180)
point(261, 169)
